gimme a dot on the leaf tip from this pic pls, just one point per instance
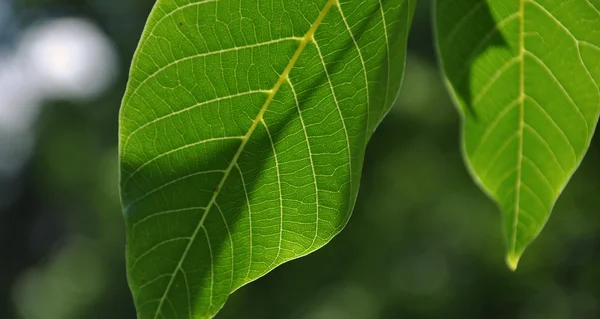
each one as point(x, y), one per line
point(512, 260)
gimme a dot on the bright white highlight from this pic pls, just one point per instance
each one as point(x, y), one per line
point(69, 58)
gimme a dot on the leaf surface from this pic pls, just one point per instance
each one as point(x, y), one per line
point(242, 136)
point(525, 76)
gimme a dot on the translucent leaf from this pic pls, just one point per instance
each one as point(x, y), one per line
point(242, 136)
point(525, 76)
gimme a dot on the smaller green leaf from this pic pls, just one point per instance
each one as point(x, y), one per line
point(525, 76)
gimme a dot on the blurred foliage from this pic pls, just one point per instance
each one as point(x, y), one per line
point(423, 241)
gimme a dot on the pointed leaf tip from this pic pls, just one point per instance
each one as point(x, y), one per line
point(520, 106)
point(512, 260)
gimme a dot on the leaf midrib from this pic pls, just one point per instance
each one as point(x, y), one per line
point(308, 37)
point(513, 256)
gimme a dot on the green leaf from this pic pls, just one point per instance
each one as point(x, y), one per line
point(525, 76)
point(242, 136)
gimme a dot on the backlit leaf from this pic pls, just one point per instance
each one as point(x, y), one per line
point(242, 136)
point(525, 76)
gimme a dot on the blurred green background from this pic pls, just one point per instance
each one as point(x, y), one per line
point(423, 242)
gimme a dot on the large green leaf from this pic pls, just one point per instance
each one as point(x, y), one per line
point(525, 75)
point(242, 136)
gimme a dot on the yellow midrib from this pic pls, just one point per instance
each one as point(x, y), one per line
point(512, 258)
point(308, 37)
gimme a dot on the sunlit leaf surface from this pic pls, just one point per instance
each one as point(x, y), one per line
point(525, 75)
point(242, 136)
